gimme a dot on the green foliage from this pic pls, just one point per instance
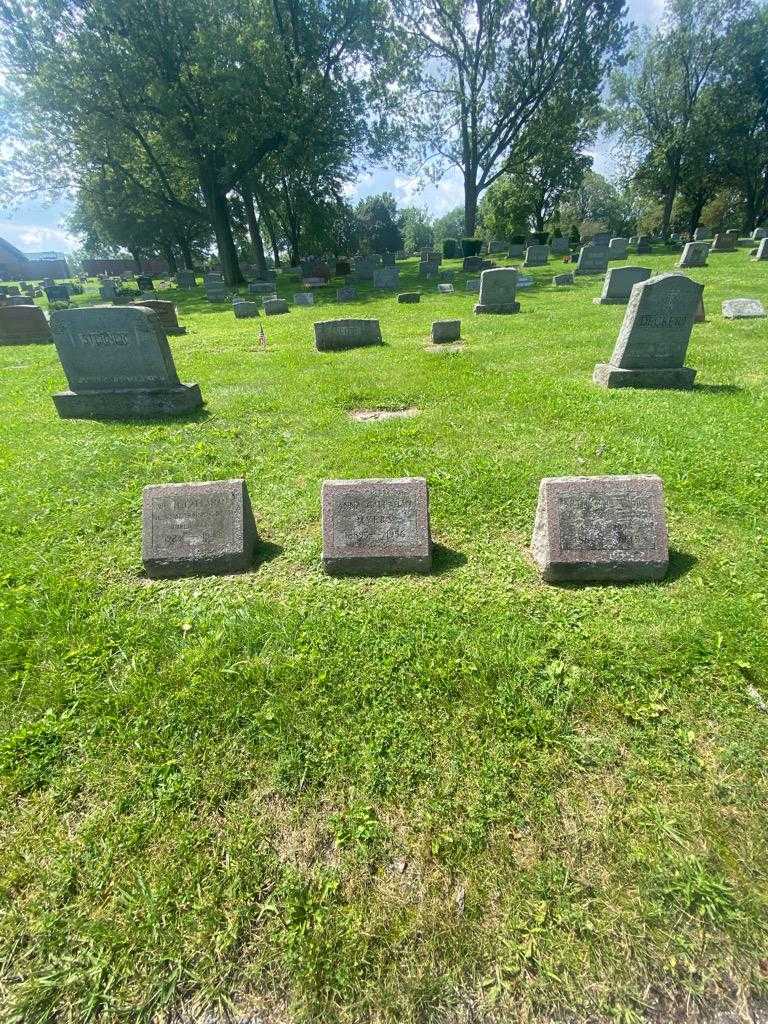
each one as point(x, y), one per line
point(378, 229)
point(450, 225)
point(450, 248)
point(471, 246)
point(415, 226)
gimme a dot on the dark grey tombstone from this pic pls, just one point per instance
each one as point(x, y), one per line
point(762, 250)
point(337, 335)
point(563, 279)
point(145, 283)
point(261, 288)
point(694, 254)
point(375, 526)
point(559, 245)
point(346, 294)
point(472, 284)
point(303, 299)
point(700, 234)
point(536, 256)
point(409, 297)
point(445, 330)
point(653, 340)
point(601, 528)
point(592, 260)
point(644, 244)
point(723, 243)
point(473, 264)
point(618, 284)
point(23, 325)
point(245, 310)
point(118, 365)
point(185, 279)
point(617, 248)
point(515, 250)
point(197, 529)
point(386, 277)
point(497, 291)
point(273, 307)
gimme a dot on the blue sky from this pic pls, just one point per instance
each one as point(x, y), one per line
point(38, 228)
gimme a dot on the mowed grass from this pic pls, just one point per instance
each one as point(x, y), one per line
point(463, 797)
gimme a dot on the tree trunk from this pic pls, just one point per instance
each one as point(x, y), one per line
point(136, 259)
point(698, 206)
point(218, 209)
point(255, 234)
point(186, 253)
point(470, 204)
point(673, 165)
point(170, 259)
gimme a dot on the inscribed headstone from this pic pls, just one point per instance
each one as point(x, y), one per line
point(694, 254)
point(619, 282)
point(592, 260)
point(336, 335)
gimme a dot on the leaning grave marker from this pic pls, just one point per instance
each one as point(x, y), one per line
point(653, 340)
point(118, 365)
point(376, 526)
point(618, 284)
point(601, 528)
point(197, 529)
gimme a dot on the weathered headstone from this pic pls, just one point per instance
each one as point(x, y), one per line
point(197, 529)
point(473, 264)
point(346, 294)
point(118, 365)
point(472, 284)
point(261, 288)
point(166, 313)
point(376, 526)
point(700, 234)
point(495, 246)
point(592, 260)
point(445, 289)
point(601, 528)
point(618, 284)
point(694, 254)
point(386, 277)
point(23, 325)
point(723, 243)
point(497, 291)
point(245, 310)
point(560, 245)
point(185, 279)
point(145, 283)
point(563, 279)
point(514, 252)
point(273, 307)
point(428, 268)
point(303, 299)
point(759, 233)
point(446, 276)
point(653, 340)
point(336, 335)
point(617, 248)
point(601, 240)
point(762, 250)
point(215, 288)
point(743, 309)
point(56, 293)
point(643, 245)
point(19, 300)
point(107, 290)
point(536, 256)
point(445, 330)
point(409, 297)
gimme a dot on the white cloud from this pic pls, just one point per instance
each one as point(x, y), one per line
point(407, 189)
point(33, 238)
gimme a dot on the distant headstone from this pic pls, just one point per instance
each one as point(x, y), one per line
point(495, 246)
point(524, 281)
point(273, 307)
point(336, 335)
point(472, 284)
point(643, 245)
point(559, 245)
point(536, 256)
point(445, 289)
point(446, 276)
point(346, 294)
point(409, 297)
point(743, 309)
point(563, 279)
point(107, 291)
point(762, 250)
point(497, 291)
point(166, 313)
point(197, 529)
point(13, 289)
point(617, 248)
point(592, 260)
point(19, 300)
point(759, 233)
point(601, 528)
point(215, 289)
point(601, 240)
point(653, 340)
point(723, 243)
point(55, 293)
point(185, 279)
point(633, 239)
point(700, 234)
point(514, 252)
point(474, 264)
point(376, 526)
point(245, 310)
point(428, 268)
point(619, 282)
point(23, 325)
point(694, 254)
point(388, 259)
point(261, 288)
point(145, 283)
point(118, 365)
point(303, 299)
point(386, 277)
point(445, 330)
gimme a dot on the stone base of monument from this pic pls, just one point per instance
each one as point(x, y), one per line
point(128, 404)
point(507, 307)
point(600, 301)
point(609, 376)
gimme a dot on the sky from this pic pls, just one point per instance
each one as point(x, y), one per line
point(35, 227)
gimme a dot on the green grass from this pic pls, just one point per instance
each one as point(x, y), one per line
point(464, 797)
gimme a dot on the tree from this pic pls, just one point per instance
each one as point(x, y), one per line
point(598, 203)
point(450, 225)
point(483, 70)
point(655, 102)
point(415, 226)
point(506, 209)
point(377, 220)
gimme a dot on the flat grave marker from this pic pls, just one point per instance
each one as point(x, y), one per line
point(743, 309)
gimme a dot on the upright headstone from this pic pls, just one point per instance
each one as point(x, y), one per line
point(592, 260)
point(472, 284)
point(759, 233)
point(386, 277)
point(107, 291)
point(762, 250)
point(653, 340)
point(118, 365)
point(275, 306)
point(185, 279)
point(694, 254)
point(215, 289)
point(445, 330)
point(336, 335)
point(197, 529)
point(303, 299)
point(23, 325)
point(376, 526)
point(346, 294)
point(618, 284)
point(428, 268)
point(643, 245)
point(166, 313)
point(559, 245)
point(145, 283)
point(56, 293)
point(601, 528)
point(474, 264)
point(536, 256)
point(700, 234)
point(617, 248)
point(601, 240)
point(514, 252)
point(245, 310)
point(723, 243)
point(261, 288)
point(497, 291)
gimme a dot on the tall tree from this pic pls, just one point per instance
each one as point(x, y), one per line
point(485, 69)
point(377, 220)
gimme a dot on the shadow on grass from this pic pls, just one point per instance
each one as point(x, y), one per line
point(196, 416)
point(719, 389)
point(445, 560)
point(680, 564)
point(265, 552)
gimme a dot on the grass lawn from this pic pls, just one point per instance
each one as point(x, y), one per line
point(467, 797)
